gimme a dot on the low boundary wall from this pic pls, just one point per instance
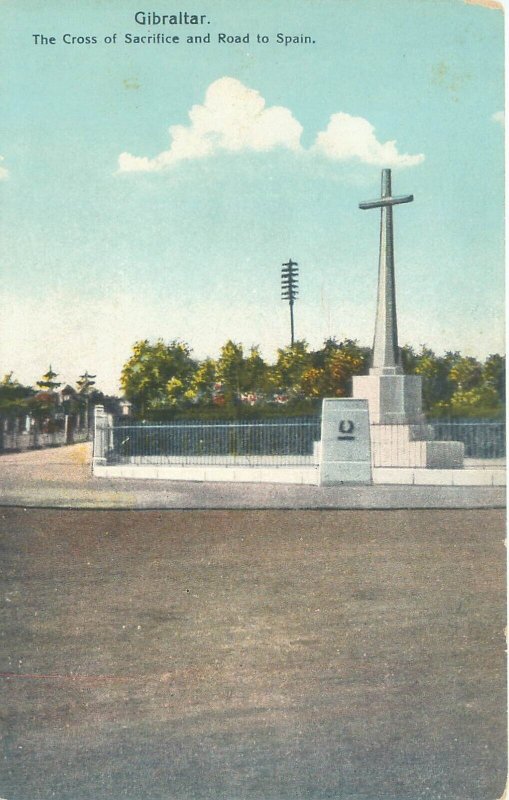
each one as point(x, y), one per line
point(300, 474)
point(349, 437)
point(35, 440)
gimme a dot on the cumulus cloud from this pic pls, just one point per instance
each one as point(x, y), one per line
point(499, 117)
point(232, 118)
point(348, 137)
point(4, 172)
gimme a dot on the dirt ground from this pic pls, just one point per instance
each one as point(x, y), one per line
point(252, 655)
point(61, 477)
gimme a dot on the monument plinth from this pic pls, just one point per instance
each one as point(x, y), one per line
point(392, 399)
point(395, 399)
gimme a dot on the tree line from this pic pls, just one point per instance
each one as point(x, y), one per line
point(50, 401)
point(162, 380)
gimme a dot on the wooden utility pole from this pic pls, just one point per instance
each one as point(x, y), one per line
point(290, 289)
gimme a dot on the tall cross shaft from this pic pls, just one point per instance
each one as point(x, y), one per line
point(386, 357)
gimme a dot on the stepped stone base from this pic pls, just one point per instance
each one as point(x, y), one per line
point(409, 446)
point(400, 436)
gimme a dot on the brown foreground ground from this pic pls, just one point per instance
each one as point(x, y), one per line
point(61, 477)
point(252, 655)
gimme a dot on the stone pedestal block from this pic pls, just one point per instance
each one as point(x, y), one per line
point(391, 398)
point(345, 442)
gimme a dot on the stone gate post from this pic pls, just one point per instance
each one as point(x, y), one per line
point(101, 436)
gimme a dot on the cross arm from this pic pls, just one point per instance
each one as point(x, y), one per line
point(387, 201)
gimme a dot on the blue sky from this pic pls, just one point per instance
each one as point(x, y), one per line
point(114, 227)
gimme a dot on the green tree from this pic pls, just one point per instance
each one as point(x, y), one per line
point(149, 376)
point(233, 371)
point(342, 365)
point(494, 374)
point(230, 371)
point(201, 387)
point(48, 382)
point(333, 368)
point(479, 401)
point(14, 397)
point(408, 359)
point(256, 372)
point(479, 388)
point(466, 373)
point(437, 386)
point(315, 382)
point(85, 383)
point(458, 385)
point(291, 364)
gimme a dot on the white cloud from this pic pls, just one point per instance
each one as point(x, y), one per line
point(348, 137)
point(233, 118)
point(4, 172)
point(499, 117)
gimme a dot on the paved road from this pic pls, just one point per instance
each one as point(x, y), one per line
point(252, 655)
point(61, 477)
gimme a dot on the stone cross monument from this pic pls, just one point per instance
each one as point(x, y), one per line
point(386, 357)
point(392, 396)
point(399, 434)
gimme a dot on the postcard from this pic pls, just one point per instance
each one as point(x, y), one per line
point(252, 399)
